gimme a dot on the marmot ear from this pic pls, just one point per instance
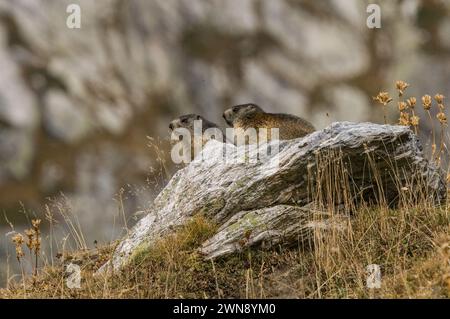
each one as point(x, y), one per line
point(249, 115)
point(199, 117)
point(257, 107)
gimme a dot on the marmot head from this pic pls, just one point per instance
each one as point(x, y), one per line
point(186, 121)
point(240, 112)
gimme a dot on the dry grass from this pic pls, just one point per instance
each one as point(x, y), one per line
point(409, 240)
point(410, 245)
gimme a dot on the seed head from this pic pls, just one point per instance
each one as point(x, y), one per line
point(402, 106)
point(383, 98)
point(36, 223)
point(30, 235)
point(426, 102)
point(442, 118)
point(37, 244)
point(439, 98)
point(17, 239)
point(19, 252)
point(415, 120)
point(401, 87)
point(404, 119)
point(411, 102)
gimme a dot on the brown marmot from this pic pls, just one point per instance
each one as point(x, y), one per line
point(250, 115)
point(187, 122)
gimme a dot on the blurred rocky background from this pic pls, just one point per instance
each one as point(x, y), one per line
point(77, 105)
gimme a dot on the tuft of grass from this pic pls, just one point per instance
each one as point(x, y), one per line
point(175, 245)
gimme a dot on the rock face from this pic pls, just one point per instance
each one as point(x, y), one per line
point(270, 201)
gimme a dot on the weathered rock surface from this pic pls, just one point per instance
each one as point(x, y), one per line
point(268, 202)
point(281, 224)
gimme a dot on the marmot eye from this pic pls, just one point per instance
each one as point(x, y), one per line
point(235, 109)
point(184, 121)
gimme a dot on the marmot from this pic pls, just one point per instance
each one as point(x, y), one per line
point(250, 115)
point(187, 122)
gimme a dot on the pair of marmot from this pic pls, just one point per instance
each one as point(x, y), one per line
point(247, 116)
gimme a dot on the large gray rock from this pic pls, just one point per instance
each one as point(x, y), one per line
point(270, 201)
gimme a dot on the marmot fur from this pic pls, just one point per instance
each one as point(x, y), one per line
point(250, 115)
